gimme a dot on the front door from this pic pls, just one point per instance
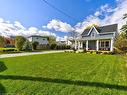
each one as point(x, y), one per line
point(84, 45)
point(92, 45)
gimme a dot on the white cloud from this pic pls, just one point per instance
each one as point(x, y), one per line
point(14, 29)
point(97, 13)
point(104, 7)
point(115, 16)
point(88, 21)
point(58, 25)
point(1, 20)
point(18, 25)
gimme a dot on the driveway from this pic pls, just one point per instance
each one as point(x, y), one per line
point(30, 53)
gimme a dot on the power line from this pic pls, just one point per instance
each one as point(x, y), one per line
point(62, 12)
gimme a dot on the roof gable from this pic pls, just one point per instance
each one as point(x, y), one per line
point(93, 29)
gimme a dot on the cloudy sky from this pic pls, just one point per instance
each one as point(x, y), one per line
point(35, 17)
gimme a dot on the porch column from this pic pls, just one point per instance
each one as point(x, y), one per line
point(111, 45)
point(81, 44)
point(87, 45)
point(78, 45)
point(97, 45)
point(75, 44)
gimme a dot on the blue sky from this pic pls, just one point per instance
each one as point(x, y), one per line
point(35, 13)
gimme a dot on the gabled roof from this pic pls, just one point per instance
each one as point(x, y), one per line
point(103, 29)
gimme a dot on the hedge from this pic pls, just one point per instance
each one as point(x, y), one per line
point(8, 49)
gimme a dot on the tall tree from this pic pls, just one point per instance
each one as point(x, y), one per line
point(2, 41)
point(125, 16)
point(19, 42)
point(52, 40)
point(27, 46)
point(73, 36)
point(124, 27)
point(121, 41)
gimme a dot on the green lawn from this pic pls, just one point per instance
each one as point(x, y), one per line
point(64, 74)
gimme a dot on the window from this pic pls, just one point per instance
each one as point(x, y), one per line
point(93, 34)
point(102, 44)
point(107, 43)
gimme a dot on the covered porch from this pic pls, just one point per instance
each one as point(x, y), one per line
point(100, 44)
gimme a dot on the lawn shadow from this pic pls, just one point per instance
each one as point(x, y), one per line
point(2, 90)
point(64, 81)
point(2, 68)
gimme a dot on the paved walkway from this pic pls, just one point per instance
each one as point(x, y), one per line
point(30, 53)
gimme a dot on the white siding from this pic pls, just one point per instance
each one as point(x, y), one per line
point(40, 40)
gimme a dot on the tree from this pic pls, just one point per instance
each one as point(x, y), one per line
point(125, 16)
point(73, 37)
point(121, 42)
point(2, 41)
point(34, 45)
point(52, 40)
point(27, 46)
point(124, 27)
point(53, 46)
point(90, 26)
point(19, 42)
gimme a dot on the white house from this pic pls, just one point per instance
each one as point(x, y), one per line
point(40, 39)
point(97, 38)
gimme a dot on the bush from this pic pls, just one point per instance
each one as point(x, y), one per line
point(34, 45)
point(43, 47)
point(7, 49)
point(19, 42)
point(2, 41)
point(118, 51)
point(68, 47)
point(84, 51)
point(27, 46)
point(53, 46)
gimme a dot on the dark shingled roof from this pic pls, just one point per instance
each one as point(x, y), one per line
point(103, 29)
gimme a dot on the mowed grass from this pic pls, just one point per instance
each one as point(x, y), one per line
point(64, 74)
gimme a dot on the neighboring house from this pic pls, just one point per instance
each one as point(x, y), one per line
point(97, 38)
point(67, 42)
point(40, 39)
point(9, 42)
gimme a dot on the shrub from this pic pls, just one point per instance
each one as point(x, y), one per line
point(68, 47)
point(2, 41)
point(34, 45)
point(53, 46)
point(8, 49)
point(84, 51)
point(43, 47)
point(19, 42)
point(94, 52)
point(118, 51)
point(27, 46)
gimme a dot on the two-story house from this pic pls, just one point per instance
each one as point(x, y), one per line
point(97, 38)
point(40, 39)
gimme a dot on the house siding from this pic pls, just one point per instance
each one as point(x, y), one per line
point(40, 40)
